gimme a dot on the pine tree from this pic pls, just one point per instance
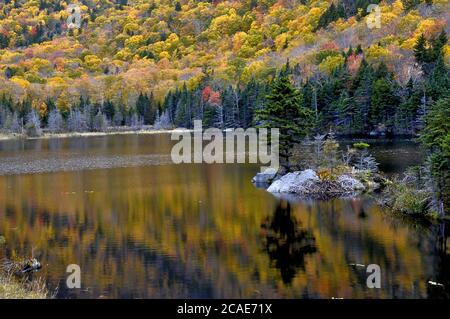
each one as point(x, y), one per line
point(252, 97)
point(383, 102)
point(150, 116)
point(439, 80)
point(436, 137)
point(333, 13)
point(108, 109)
point(382, 72)
point(25, 107)
point(283, 110)
point(343, 112)
point(406, 115)
point(438, 45)
point(423, 54)
point(421, 50)
point(142, 105)
point(185, 102)
point(118, 118)
point(228, 108)
point(170, 105)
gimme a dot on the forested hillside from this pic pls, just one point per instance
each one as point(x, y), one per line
point(139, 61)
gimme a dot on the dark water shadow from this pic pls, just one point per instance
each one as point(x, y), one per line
point(286, 242)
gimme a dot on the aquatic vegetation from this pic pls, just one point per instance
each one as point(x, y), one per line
point(410, 201)
point(413, 194)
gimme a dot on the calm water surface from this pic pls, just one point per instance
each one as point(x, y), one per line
point(141, 227)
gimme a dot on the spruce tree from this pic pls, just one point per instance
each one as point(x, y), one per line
point(108, 110)
point(283, 110)
point(439, 80)
point(423, 54)
point(150, 115)
point(420, 49)
point(438, 45)
point(436, 137)
point(383, 103)
point(142, 105)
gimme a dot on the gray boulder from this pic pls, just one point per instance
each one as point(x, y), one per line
point(307, 184)
point(350, 184)
point(296, 182)
point(264, 178)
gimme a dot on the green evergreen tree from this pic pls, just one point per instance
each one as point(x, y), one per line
point(150, 114)
point(438, 45)
point(283, 110)
point(383, 103)
point(360, 94)
point(343, 113)
point(436, 136)
point(143, 107)
point(421, 50)
point(108, 109)
point(439, 80)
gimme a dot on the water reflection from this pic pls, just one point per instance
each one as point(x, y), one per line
point(358, 207)
point(439, 285)
point(286, 242)
point(194, 231)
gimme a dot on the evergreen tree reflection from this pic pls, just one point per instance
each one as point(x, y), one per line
point(286, 242)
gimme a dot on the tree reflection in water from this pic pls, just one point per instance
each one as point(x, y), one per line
point(286, 242)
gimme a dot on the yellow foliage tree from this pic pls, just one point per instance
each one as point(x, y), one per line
point(331, 63)
point(92, 62)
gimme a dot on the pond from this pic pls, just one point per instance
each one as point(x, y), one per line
point(142, 227)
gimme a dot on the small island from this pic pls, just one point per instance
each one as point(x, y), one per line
point(331, 173)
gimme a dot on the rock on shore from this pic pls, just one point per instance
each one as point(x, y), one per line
point(308, 184)
point(296, 182)
point(264, 178)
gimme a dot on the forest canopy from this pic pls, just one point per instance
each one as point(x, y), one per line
point(147, 61)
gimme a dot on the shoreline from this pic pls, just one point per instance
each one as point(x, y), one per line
point(11, 288)
point(150, 131)
point(46, 135)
